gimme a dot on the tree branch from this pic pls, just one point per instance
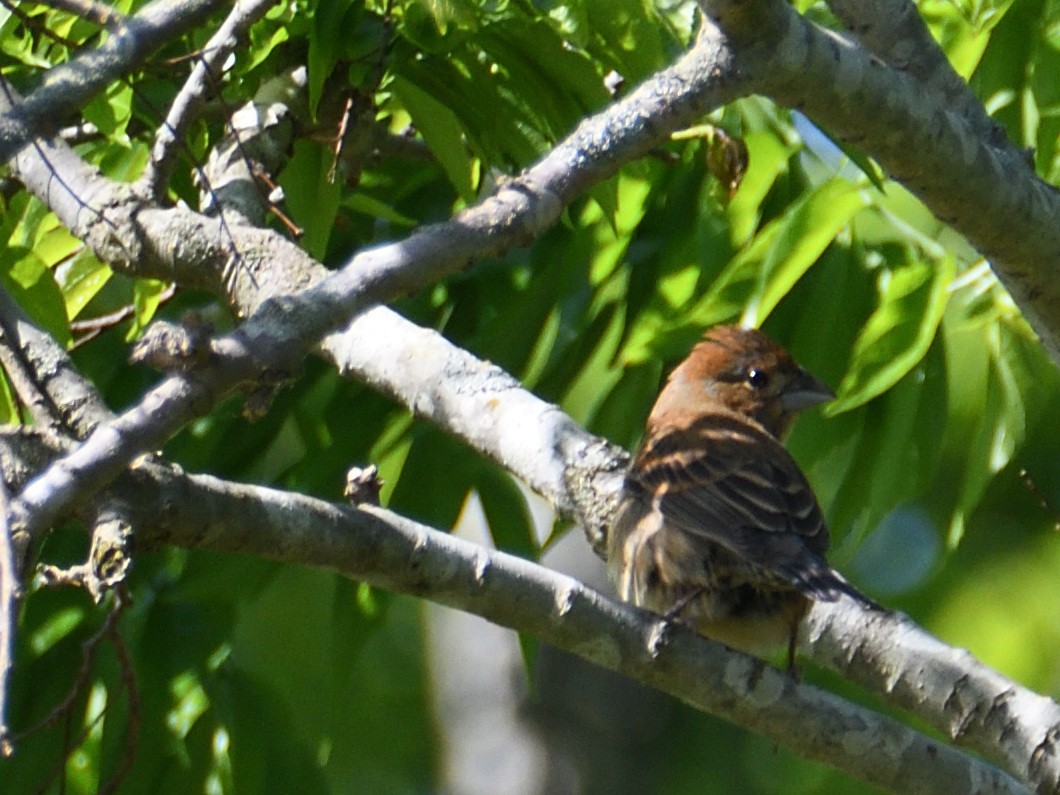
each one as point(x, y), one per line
point(984, 189)
point(186, 105)
point(71, 85)
point(43, 375)
point(283, 327)
point(382, 548)
point(895, 31)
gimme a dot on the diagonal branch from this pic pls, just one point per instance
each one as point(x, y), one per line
point(283, 327)
point(43, 375)
point(70, 86)
point(986, 192)
point(204, 77)
point(895, 31)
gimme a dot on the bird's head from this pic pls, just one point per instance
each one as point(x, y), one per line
point(746, 372)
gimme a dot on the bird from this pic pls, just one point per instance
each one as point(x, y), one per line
point(716, 525)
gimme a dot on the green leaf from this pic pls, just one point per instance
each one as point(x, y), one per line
point(442, 132)
point(32, 285)
point(766, 270)
point(361, 202)
point(147, 296)
point(81, 280)
point(332, 22)
point(898, 333)
point(312, 198)
point(451, 12)
point(507, 514)
point(768, 157)
point(111, 111)
point(8, 408)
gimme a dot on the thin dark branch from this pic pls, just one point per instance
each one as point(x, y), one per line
point(89, 647)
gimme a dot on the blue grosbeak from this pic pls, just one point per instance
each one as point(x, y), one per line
point(717, 526)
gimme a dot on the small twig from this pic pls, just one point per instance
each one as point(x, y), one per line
point(272, 202)
point(108, 630)
point(38, 26)
point(92, 327)
point(77, 687)
point(340, 137)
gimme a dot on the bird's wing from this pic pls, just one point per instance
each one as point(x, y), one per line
point(726, 480)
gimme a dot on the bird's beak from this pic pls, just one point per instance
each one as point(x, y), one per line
point(805, 391)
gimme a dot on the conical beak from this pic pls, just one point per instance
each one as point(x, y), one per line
point(805, 391)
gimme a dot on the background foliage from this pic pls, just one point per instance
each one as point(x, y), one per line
point(255, 677)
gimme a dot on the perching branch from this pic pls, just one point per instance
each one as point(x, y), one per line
point(382, 548)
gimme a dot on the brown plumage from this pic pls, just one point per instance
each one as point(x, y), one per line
point(717, 524)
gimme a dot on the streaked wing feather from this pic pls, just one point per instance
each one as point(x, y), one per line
point(730, 482)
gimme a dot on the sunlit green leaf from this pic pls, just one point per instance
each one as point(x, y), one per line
point(32, 284)
point(767, 268)
point(442, 132)
point(898, 334)
point(147, 295)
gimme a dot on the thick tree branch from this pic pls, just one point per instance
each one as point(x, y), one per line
point(985, 191)
point(895, 31)
point(68, 87)
point(44, 377)
point(973, 704)
point(375, 545)
point(283, 327)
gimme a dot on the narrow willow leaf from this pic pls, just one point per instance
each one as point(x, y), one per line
point(898, 333)
point(778, 256)
point(442, 132)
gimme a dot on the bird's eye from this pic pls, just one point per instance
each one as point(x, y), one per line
point(757, 378)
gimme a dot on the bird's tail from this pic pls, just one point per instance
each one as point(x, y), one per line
point(816, 579)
